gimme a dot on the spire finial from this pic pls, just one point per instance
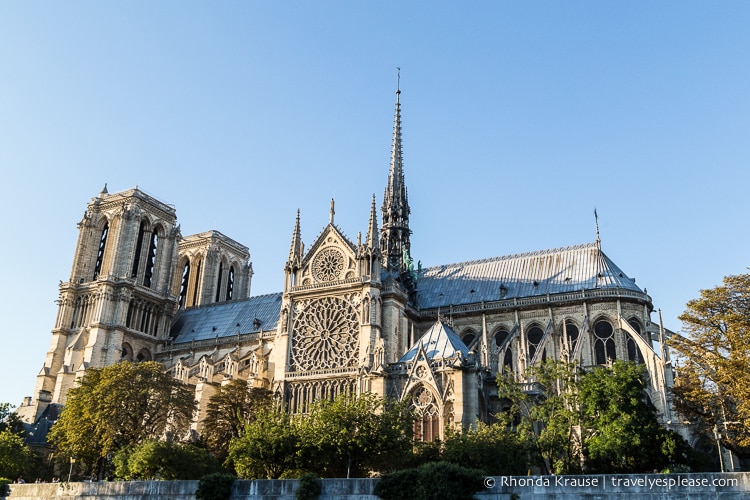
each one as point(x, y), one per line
point(398, 80)
point(596, 220)
point(332, 211)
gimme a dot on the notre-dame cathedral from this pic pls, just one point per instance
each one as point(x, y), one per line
point(353, 316)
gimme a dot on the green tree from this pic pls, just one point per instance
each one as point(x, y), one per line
point(546, 415)
point(164, 460)
point(620, 429)
point(351, 436)
point(494, 449)
point(9, 420)
point(119, 406)
point(227, 412)
point(712, 390)
point(16, 459)
point(267, 447)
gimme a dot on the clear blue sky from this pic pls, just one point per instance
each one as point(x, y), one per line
point(519, 119)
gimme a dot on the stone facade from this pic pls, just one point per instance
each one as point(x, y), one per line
point(353, 316)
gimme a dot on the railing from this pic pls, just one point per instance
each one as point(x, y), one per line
point(229, 339)
point(330, 371)
point(515, 303)
point(315, 286)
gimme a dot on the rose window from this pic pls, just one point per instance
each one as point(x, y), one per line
point(328, 264)
point(326, 335)
point(422, 398)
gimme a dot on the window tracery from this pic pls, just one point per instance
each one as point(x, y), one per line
point(604, 342)
point(325, 335)
point(328, 265)
point(427, 421)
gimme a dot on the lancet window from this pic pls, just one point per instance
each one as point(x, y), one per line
point(151, 262)
point(230, 283)
point(218, 282)
point(184, 284)
point(504, 356)
point(604, 342)
point(533, 337)
point(634, 352)
point(100, 253)
point(427, 422)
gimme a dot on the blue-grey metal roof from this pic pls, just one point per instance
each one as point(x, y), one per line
point(227, 318)
point(439, 342)
point(560, 270)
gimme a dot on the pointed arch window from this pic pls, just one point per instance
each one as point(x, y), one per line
point(184, 284)
point(571, 335)
point(634, 352)
point(195, 287)
point(469, 338)
point(230, 283)
point(138, 245)
point(100, 253)
point(507, 355)
point(427, 422)
point(533, 337)
point(604, 342)
point(218, 282)
point(151, 262)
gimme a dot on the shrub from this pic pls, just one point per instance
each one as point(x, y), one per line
point(4, 482)
point(164, 460)
point(398, 485)
point(431, 481)
point(215, 486)
point(309, 487)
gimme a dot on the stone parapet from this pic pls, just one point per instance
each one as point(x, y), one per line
point(725, 486)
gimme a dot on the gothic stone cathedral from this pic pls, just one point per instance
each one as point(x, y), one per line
point(353, 316)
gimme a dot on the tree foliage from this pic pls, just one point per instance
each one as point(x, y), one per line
point(227, 412)
point(712, 389)
point(267, 447)
point(167, 460)
point(16, 459)
point(9, 420)
point(547, 418)
point(598, 421)
point(216, 486)
point(350, 436)
point(341, 438)
point(119, 406)
point(620, 427)
point(431, 481)
point(494, 449)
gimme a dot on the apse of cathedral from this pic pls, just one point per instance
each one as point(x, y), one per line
point(353, 316)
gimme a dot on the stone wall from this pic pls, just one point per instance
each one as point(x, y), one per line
point(727, 486)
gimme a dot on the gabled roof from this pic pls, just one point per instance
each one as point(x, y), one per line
point(560, 270)
point(439, 342)
point(222, 319)
point(321, 240)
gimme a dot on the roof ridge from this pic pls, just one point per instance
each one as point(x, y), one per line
point(516, 255)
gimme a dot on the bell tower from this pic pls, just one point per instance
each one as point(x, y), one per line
point(118, 303)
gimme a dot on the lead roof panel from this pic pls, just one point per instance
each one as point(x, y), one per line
point(560, 270)
point(226, 319)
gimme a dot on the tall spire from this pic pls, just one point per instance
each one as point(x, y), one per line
point(372, 228)
point(395, 246)
point(296, 249)
point(596, 220)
